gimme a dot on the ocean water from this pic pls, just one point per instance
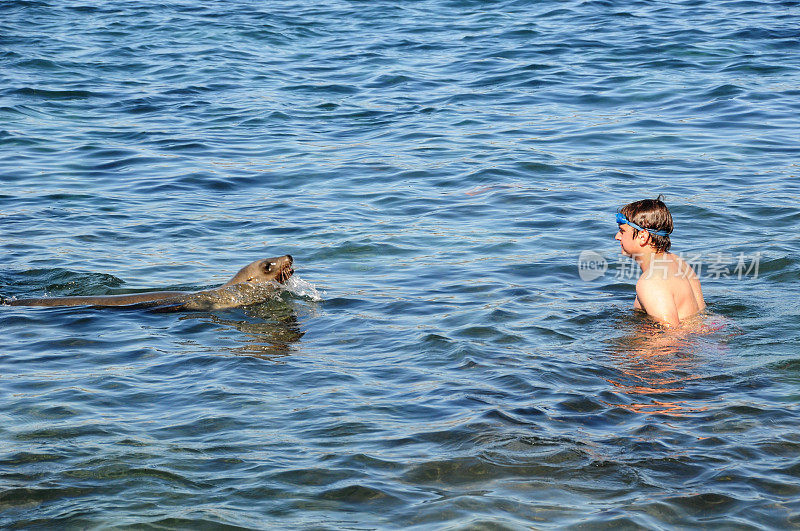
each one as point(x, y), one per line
point(457, 348)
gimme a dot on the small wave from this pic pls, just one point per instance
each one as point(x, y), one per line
point(59, 281)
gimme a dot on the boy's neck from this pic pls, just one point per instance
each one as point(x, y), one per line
point(645, 258)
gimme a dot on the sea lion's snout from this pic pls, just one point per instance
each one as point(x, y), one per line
point(280, 267)
point(287, 271)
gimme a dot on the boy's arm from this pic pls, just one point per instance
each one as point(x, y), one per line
point(658, 302)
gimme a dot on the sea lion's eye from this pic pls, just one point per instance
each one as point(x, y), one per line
point(251, 279)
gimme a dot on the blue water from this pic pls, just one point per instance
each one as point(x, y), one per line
point(436, 169)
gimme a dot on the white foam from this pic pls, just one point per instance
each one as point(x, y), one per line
point(303, 288)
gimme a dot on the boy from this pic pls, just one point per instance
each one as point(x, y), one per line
point(668, 289)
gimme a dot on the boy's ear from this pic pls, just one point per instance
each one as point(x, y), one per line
point(643, 238)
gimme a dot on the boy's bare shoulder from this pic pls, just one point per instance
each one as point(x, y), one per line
point(657, 299)
point(684, 269)
point(652, 283)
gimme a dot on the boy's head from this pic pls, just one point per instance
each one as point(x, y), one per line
point(654, 215)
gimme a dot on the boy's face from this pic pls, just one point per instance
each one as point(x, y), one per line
point(626, 240)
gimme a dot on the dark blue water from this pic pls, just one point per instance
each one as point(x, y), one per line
point(436, 169)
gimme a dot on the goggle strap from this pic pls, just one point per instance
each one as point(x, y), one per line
point(622, 220)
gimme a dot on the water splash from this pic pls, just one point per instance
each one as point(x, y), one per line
point(303, 288)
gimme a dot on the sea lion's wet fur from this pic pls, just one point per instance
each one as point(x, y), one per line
point(246, 286)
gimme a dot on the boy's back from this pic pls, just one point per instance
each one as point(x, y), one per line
point(670, 290)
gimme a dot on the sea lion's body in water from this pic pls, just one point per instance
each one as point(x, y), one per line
point(236, 292)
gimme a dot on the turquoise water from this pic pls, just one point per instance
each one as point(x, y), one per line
point(436, 169)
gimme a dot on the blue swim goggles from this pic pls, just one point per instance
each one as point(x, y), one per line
point(622, 220)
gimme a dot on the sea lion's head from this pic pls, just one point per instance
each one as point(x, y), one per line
point(277, 269)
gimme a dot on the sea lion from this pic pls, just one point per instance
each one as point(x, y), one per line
point(238, 291)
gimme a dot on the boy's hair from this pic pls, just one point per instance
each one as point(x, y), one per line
point(651, 214)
